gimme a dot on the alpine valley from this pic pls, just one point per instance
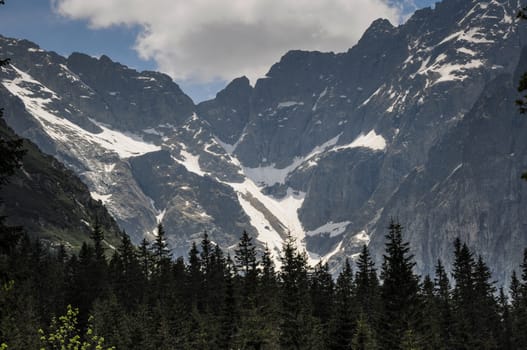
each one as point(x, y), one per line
point(416, 122)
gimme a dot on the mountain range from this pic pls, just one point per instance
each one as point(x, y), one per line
point(415, 122)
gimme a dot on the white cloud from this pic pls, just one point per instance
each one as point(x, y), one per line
point(204, 40)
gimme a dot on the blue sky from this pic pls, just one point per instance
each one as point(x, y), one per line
point(86, 29)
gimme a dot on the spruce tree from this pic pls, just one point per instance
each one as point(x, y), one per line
point(486, 313)
point(367, 286)
point(518, 291)
point(295, 322)
point(428, 331)
point(126, 276)
point(364, 337)
point(194, 290)
point(399, 292)
point(228, 318)
point(463, 298)
point(344, 311)
point(206, 254)
point(161, 255)
point(505, 323)
point(322, 295)
point(443, 297)
point(97, 236)
point(268, 301)
point(145, 258)
point(247, 265)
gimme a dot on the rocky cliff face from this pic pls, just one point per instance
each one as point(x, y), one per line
point(51, 203)
point(416, 122)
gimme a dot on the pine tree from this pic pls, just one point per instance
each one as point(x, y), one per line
point(194, 290)
point(145, 258)
point(506, 328)
point(295, 322)
point(443, 297)
point(229, 311)
point(160, 254)
point(428, 332)
point(463, 298)
point(206, 255)
point(126, 276)
point(364, 338)
point(518, 290)
point(399, 292)
point(322, 295)
point(486, 314)
point(343, 323)
point(246, 263)
point(367, 286)
point(268, 302)
point(268, 273)
point(97, 236)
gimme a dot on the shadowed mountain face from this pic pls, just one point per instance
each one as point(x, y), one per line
point(416, 122)
point(51, 202)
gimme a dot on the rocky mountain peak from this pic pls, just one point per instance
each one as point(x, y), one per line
point(327, 146)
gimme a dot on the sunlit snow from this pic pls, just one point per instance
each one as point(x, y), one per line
point(104, 198)
point(270, 175)
point(371, 140)
point(332, 228)
point(65, 131)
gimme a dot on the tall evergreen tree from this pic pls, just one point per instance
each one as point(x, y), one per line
point(428, 331)
point(268, 302)
point(145, 258)
point(367, 286)
point(126, 276)
point(364, 338)
point(399, 292)
point(518, 291)
point(443, 297)
point(343, 324)
point(463, 298)
point(322, 297)
point(505, 324)
point(161, 254)
point(295, 322)
point(206, 254)
point(229, 311)
point(97, 236)
point(486, 314)
point(247, 265)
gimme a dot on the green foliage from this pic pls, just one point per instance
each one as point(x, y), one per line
point(207, 304)
point(65, 335)
point(364, 338)
point(399, 292)
point(409, 341)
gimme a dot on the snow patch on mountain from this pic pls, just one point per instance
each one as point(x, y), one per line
point(334, 229)
point(444, 72)
point(30, 91)
point(270, 175)
point(361, 238)
point(371, 140)
point(104, 198)
point(190, 161)
point(266, 233)
point(124, 144)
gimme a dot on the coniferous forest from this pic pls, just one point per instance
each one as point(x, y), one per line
point(142, 298)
